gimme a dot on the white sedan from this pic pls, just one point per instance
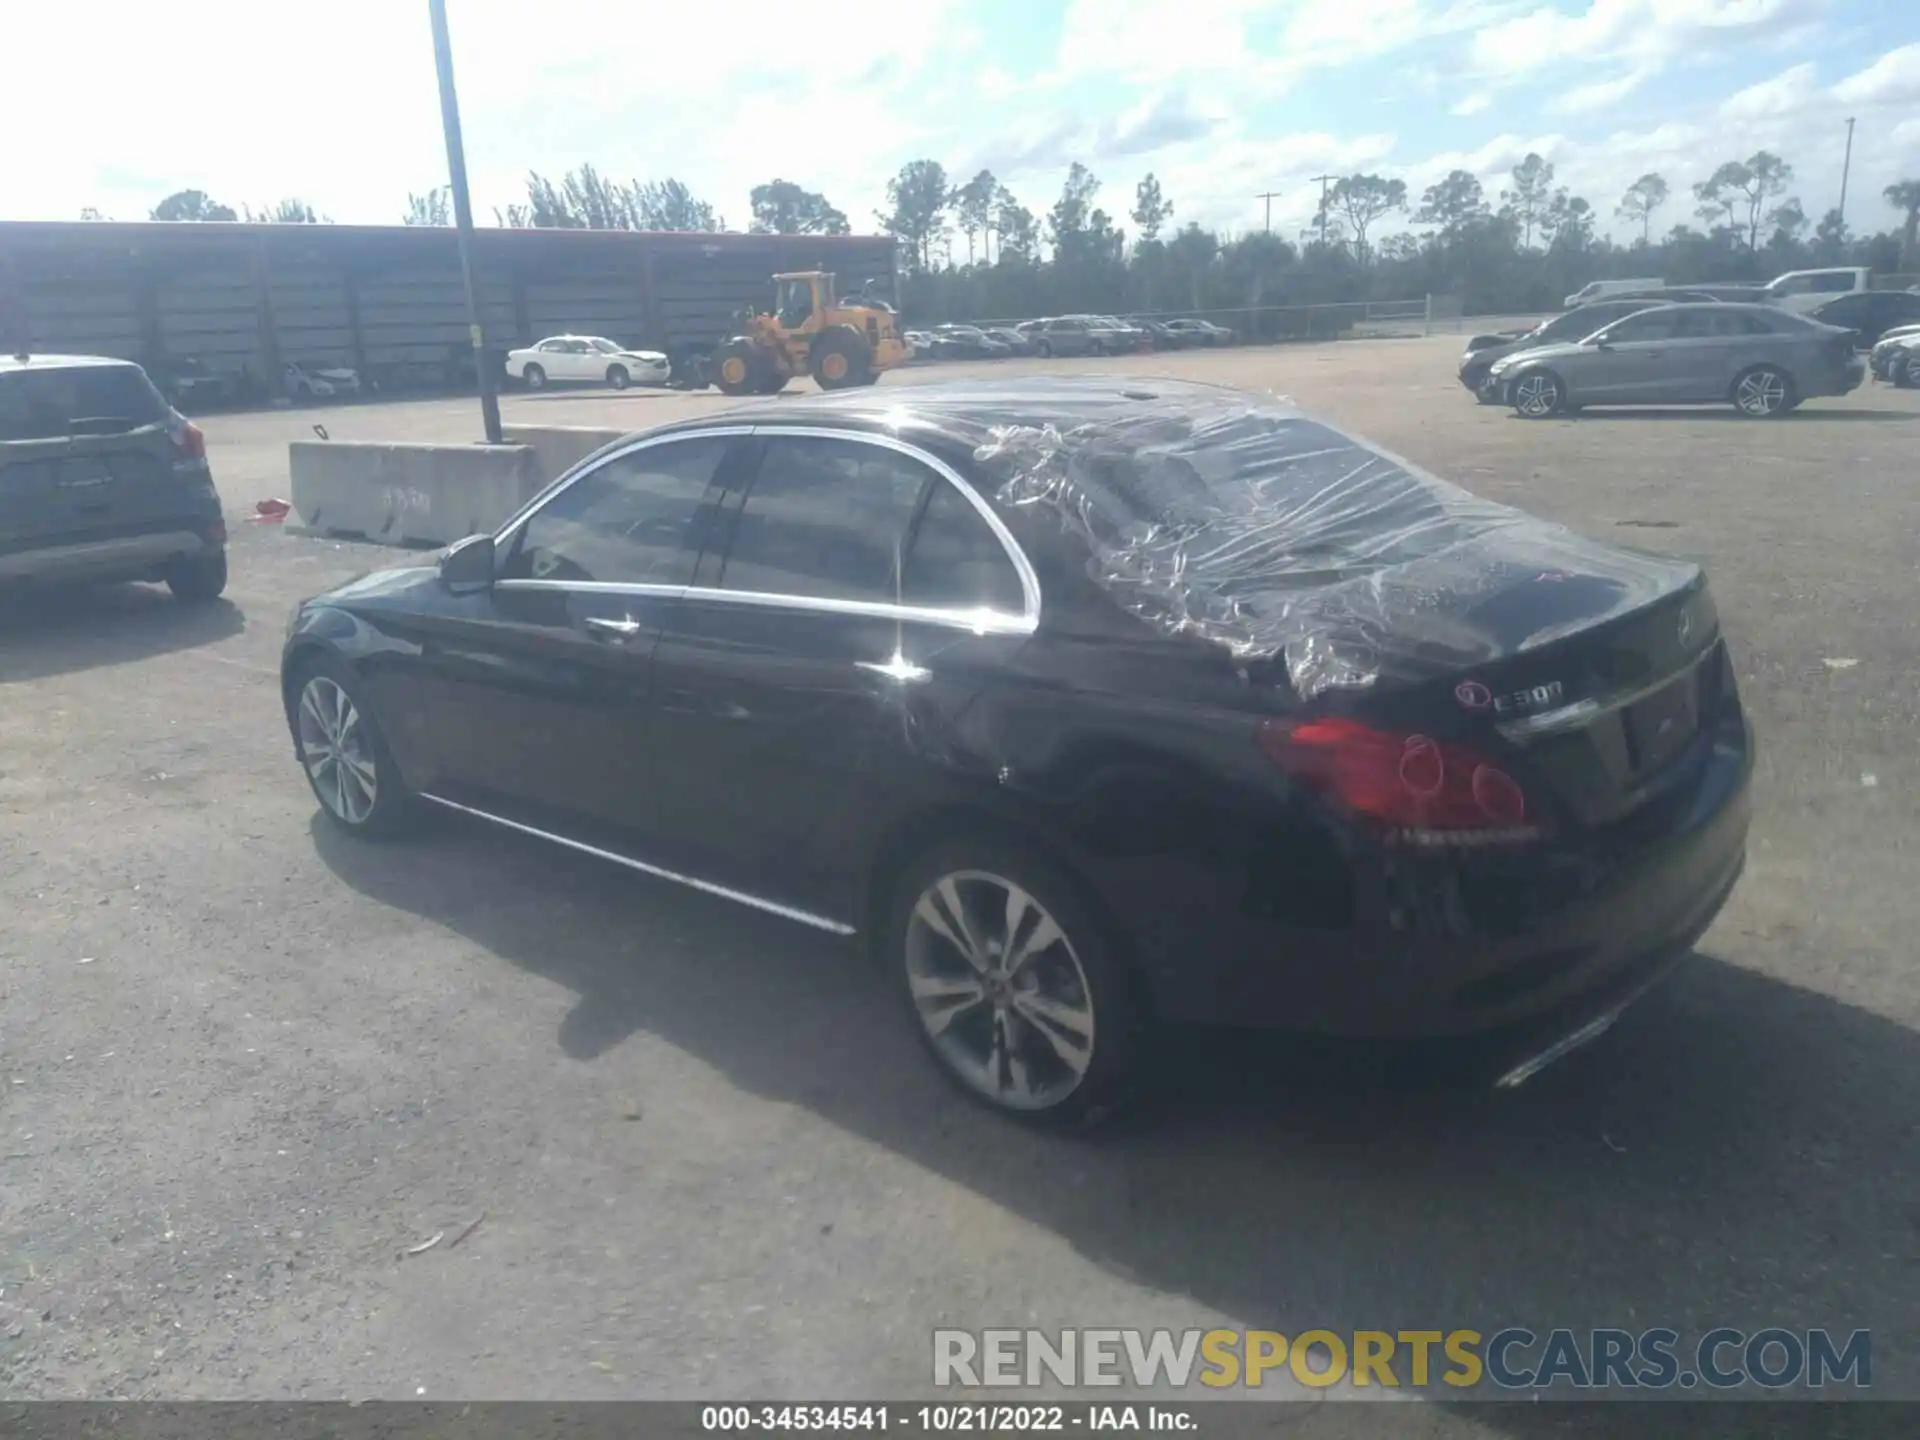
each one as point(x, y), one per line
point(585, 359)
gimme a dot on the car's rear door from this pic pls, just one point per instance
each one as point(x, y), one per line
point(811, 667)
point(87, 454)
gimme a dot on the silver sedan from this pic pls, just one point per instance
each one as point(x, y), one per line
point(1761, 359)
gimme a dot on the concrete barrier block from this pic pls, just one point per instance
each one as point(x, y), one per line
point(409, 494)
point(558, 448)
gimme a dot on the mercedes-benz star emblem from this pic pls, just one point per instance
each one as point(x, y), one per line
point(1473, 695)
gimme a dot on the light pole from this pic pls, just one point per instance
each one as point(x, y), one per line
point(1267, 195)
point(1846, 165)
point(463, 216)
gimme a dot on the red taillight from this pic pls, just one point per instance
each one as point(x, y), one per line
point(1420, 790)
point(189, 440)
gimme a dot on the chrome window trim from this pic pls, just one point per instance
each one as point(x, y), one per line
point(978, 622)
point(982, 621)
point(739, 897)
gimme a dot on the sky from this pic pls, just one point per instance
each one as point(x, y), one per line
point(1222, 99)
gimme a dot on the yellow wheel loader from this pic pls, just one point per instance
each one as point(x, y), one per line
point(811, 331)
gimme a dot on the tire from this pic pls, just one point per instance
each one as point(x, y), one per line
point(840, 358)
point(534, 377)
point(618, 377)
point(1043, 348)
point(1763, 392)
point(1067, 1064)
point(1537, 395)
point(315, 694)
point(738, 368)
point(1905, 373)
point(196, 581)
point(772, 382)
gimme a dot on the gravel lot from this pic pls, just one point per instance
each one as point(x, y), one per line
point(244, 1064)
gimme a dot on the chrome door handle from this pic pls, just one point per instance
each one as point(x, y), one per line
point(899, 669)
point(622, 627)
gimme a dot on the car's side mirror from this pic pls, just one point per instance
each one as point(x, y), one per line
point(468, 564)
point(1601, 344)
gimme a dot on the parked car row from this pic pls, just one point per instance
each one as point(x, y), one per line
point(1694, 345)
point(1066, 335)
point(1761, 359)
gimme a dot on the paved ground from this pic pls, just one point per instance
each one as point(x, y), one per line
point(244, 1065)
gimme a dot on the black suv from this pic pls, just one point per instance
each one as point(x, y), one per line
point(101, 479)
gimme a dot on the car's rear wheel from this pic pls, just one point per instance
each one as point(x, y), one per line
point(534, 378)
point(1012, 982)
point(618, 377)
point(1763, 392)
point(1538, 395)
point(344, 755)
point(199, 579)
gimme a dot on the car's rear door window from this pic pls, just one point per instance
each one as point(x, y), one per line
point(631, 520)
point(826, 518)
point(956, 562)
point(58, 402)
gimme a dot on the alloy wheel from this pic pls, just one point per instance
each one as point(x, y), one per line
point(1536, 395)
point(336, 749)
point(999, 990)
point(1761, 393)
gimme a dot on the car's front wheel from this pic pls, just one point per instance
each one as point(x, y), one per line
point(344, 755)
point(1538, 394)
point(618, 377)
point(1905, 372)
point(534, 378)
point(1043, 349)
point(1011, 979)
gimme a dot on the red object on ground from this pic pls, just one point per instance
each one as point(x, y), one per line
point(271, 512)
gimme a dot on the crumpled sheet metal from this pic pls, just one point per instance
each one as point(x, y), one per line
point(1244, 521)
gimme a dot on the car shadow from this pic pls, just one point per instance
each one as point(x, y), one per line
point(54, 631)
point(1736, 1139)
point(1801, 416)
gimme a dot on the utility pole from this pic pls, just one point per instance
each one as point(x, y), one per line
point(1323, 179)
point(1267, 195)
point(1845, 166)
point(463, 216)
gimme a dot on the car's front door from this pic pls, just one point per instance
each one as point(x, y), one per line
point(535, 703)
point(861, 598)
point(1626, 362)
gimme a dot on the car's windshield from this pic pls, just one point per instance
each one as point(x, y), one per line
point(52, 403)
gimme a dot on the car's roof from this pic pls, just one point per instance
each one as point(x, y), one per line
point(969, 411)
point(57, 362)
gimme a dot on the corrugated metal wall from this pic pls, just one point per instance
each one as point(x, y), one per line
point(147, 292)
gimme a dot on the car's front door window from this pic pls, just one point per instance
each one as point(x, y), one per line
point(632, 520)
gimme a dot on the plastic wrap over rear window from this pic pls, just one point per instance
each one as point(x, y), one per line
point(1243, 521)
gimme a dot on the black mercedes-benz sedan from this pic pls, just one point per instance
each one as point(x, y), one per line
point(1087, 704)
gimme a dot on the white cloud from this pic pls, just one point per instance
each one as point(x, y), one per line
point(1646, 35)
point(1787, 93)
point(1893, 79)
point(1472, 104)
point(1585, 99)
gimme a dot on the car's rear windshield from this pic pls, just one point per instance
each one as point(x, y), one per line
point(1239, 496)
point(59, 401)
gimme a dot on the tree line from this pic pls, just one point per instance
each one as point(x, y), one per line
point(970, 250)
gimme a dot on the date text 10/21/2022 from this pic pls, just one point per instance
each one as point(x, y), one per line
point(977, 1419)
